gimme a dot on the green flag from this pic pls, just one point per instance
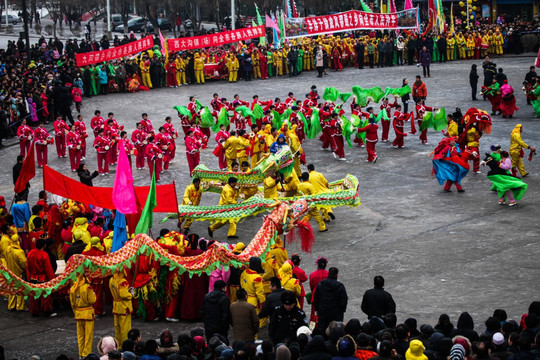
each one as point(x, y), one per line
point(207, 121)
point(223, 119)
point(363, 95)
point(182, 110)
point(331, 94)
point(365, 7)
point(315, 127)
point(258, 112)
point(399, 92)
point(147, 217)
point(262, 39)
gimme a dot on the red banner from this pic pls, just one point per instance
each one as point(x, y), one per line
point(115, 53)
point(218, 39)
point(56, 183)
point(345, 21)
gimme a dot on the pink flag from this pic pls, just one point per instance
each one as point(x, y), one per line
point(123, 193)
point(408, 4)
point(271, 24)
point(162, 41)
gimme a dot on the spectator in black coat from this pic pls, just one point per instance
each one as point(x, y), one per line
point(286, 319)
point(359, 50)
point(500, 77)
point(473, 79)
point(378, 302)
point(273, 300)
point(441, 45)
point(465, 327)
point(215, 311)
point(316, 350)
point(330, 300)
point(85, 176)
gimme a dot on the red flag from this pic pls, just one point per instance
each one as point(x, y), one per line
point(28, 171)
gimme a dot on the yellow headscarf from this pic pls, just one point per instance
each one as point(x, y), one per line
point(517, 129)
point(94, 242)
point(285, 273)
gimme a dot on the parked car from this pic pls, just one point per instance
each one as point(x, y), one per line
point(116, 20)
point(13, 20)
point(135, 25)
point(164, 24)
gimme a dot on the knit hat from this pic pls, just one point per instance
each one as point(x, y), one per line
point(415, 351)
point(283, 353)
point(346, 346)
point(303, 330)
point(128, 355)
point(288, 297)
point(498, 338)
point(255, 264)
point(457, 352)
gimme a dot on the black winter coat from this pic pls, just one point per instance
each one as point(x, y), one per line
point(330, 299)
point(273, 300)
point(284, 324)
point(215, 313)
point(378, 302)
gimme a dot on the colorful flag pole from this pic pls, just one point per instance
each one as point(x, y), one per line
point(147, 217)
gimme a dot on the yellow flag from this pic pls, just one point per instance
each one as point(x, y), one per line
point(452, 18)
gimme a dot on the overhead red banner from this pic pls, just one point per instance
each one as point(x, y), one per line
point(348, 21)
point(56, 183)
point(93, 57)
point(217, 39)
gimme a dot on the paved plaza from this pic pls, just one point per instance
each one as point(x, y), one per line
point(439, 252)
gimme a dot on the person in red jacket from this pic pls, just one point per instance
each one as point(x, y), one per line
point(76, 95)
point(419, 90)
point(112, 132)
point(301, 276)
point(80, 128)
point(337, 138)
point(140, 140)
point(371, 136)
point(154, 157)
point(147, 124)
point(25, 135)
point(326, 137)
point(39, 270)
point(43, 138)
point(399, 123)
point(74, 145)
point(314, 279)
point(192, 151)
point(386, 123)
point(102, 146)
point(60, 131)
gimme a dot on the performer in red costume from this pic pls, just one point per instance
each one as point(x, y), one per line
point(386, 123)
point(25, 135)
point(80, 129)
point(172, 135)
point(219, 151)
point(420, 112)
point(192, 151)
point(371, 136)
point(60, 131)
point(450, 164)
point(74, 145)
point(102, 145)
point(97, 122)
point(399, 123)
point(154, 156)
point(163, 142)
point(43, 138)
point(337, 137)
point(140, 140)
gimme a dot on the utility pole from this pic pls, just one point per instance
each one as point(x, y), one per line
point(233, 15)
point(25, 22)
point(109, 35)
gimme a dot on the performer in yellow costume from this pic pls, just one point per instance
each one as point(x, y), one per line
point(229, 195)
point(122, 305)
point(82, 299)
point(199, 68)
point(192, 196)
